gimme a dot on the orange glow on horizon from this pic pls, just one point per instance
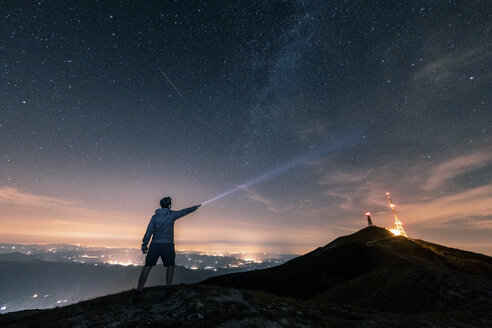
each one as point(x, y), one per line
point(61, 221)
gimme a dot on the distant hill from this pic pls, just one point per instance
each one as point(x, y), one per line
point(50, 276)
point(373, 269)
point(17, 257)
point(27, 282)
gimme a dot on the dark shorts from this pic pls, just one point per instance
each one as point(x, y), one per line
point(165, 251)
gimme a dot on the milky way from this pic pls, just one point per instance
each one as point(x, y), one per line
point(106, 107)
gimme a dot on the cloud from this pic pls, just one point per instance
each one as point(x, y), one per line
point(449, 66)
point(461, 205)
point(453, 168)
point(15, 197)
point(313, 128)
point(481, 221)
point(424, 192)
point(26, 215)
point(261, 199)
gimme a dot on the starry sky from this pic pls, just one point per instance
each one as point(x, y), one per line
point(107, 106)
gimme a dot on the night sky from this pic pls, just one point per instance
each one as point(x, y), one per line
point(373, 96)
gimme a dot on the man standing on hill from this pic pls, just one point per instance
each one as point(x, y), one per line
point(161, 229)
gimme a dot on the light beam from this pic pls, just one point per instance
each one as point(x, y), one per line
point(304, 159)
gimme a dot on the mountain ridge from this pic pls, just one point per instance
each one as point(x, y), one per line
point(376, 270)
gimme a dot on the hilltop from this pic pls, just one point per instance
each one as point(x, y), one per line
point(373, 269)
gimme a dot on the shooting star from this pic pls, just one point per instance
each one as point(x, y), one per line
point(179, 93)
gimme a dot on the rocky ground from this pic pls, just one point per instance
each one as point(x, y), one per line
point(209, 306)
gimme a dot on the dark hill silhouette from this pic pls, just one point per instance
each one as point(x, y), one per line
point(374, 269)
point(17, 257)
point(23, 276)
point(212, 306)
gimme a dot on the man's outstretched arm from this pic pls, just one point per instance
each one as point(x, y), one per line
point(148, 234)
point(179, 214)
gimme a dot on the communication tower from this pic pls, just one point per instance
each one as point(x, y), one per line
point(398, 224)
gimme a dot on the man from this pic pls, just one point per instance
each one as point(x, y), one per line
point(161, 229)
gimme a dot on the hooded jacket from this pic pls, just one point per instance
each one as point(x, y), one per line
point(161, 225)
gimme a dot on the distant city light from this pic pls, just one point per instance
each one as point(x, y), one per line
point(211, 262)
point(121, 263)
point(252, 260)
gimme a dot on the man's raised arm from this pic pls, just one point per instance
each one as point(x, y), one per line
point(179, 214)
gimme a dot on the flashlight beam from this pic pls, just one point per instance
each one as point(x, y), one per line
point(305, 159)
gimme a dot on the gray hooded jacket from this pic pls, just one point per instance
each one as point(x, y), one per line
point(161, 225)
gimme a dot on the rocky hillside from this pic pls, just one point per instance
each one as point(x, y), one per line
point(210, 306)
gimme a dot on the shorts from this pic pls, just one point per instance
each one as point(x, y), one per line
point(165, 251)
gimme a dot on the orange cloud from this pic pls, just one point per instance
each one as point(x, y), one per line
point(453, 168)
point(37, 218)
point(30, 217)
point(428, 195)
point(15, 197)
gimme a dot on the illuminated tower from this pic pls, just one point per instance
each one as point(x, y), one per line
point(368, 216)
point(398, 226)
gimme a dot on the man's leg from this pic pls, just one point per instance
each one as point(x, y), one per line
point(143, 277)
point(169, 275)
point(141, 282)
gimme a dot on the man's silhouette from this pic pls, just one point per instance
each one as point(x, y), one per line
point(161, 229)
